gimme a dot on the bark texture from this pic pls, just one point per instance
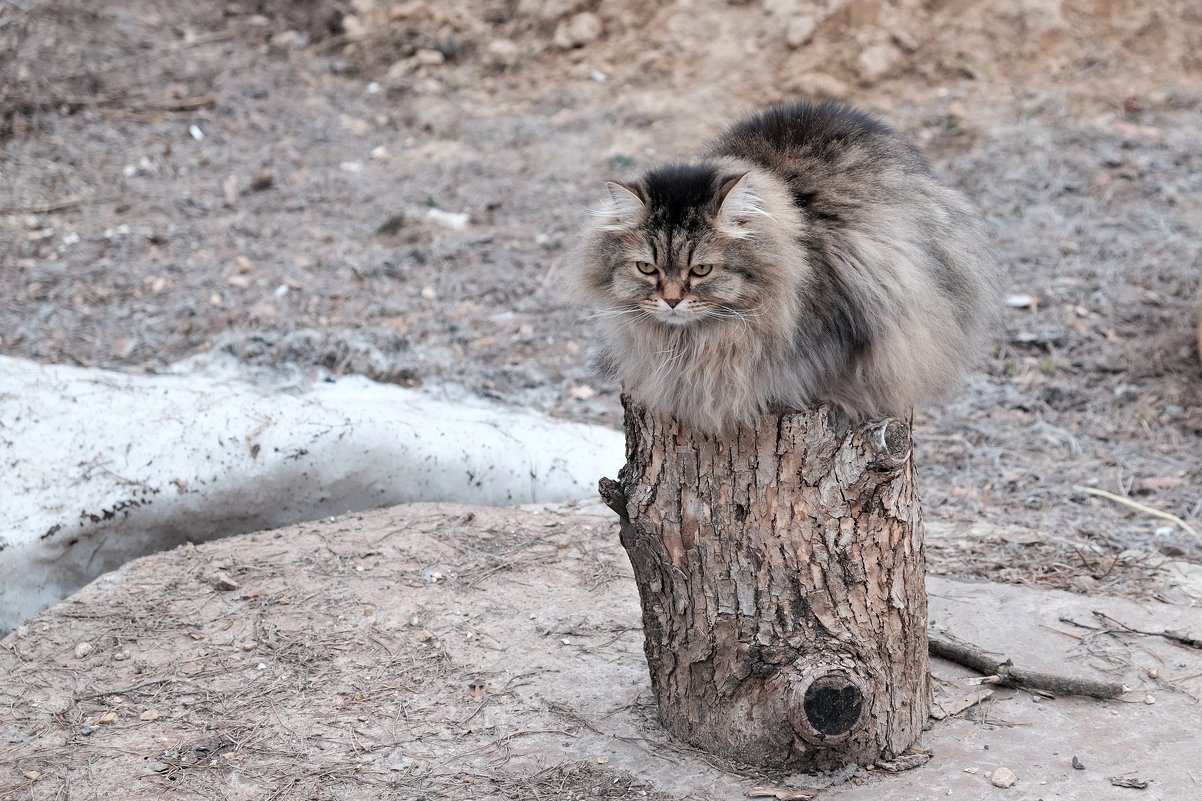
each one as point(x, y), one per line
point(781, 575)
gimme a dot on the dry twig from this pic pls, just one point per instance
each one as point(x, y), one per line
point(1009, 676)
point(1180, 639)
point(1140, 507)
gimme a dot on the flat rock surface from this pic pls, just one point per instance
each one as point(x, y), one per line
point(447, 652)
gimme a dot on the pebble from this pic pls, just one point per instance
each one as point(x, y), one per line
point(877, 61)
point(86, 731)
point(584, 28)
point(1003, 777)
point(83, 650)
point(429, 58)
point(456, 221)
point(800, 30)
point(32, 775)
point(107, 718)
point(222, 582)
point(504, 52)
point(149, 714)
point(262, 181)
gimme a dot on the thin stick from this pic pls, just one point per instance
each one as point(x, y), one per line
point(1110, 496)
point(47, 208)
point(1007, 675)
point(1173, 636)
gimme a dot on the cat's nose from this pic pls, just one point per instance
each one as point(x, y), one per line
point(671, 302)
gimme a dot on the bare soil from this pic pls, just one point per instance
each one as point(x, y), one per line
point(259, 177)
point(440, 652)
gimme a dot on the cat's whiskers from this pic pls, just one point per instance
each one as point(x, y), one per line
point(610, 313)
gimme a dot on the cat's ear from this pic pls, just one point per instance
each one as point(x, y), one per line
point(738, 203)
point(623, 208)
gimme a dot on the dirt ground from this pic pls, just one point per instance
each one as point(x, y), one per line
point(285, 182)
point(442, 652)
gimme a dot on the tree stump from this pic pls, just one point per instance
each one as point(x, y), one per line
point(781, 571)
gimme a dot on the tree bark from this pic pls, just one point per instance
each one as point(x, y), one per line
point(780, 570)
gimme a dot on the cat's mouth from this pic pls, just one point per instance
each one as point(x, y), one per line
point(681, 314)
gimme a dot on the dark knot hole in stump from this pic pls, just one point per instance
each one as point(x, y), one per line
point(833, 705)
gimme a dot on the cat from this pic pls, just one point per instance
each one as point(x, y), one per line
point(808, 256)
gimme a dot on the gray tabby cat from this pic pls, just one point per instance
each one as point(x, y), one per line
point(809, 256)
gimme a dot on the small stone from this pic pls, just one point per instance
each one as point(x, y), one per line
point(1084, 584)
point(392, 226)
point(503, 52)
point(1149, 699)
point(878, 61)
point(222, 582)
point(108, 718)
point(426, 635)
point(249, 645)
point(83, 650)
point(121, 654)
point(602, 760)
point(1003, 777)
point(288, 39)
point(800, 30)
point(262, 181)
point(584, 28)
point(32, 775)
point(972, 770)
point(1078, 764)
point(86, 731)
point(429, 58)
point(149, 714)
point(455, 220)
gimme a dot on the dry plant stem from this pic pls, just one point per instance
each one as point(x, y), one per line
point(1119, 499)
point(1172, 636)
point(780, 570)
point(1009, 676)
point(60, 205)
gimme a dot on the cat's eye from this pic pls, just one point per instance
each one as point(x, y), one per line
point(701, 270)
point(645, 267)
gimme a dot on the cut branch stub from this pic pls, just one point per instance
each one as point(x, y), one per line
point(780, 570)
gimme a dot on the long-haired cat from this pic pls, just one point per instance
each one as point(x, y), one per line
point(808, 256)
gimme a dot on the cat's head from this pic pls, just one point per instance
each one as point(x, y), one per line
point(690, 245)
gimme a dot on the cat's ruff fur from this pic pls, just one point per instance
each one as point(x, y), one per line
point(842, 271)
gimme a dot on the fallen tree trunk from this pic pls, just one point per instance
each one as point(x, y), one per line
point(781, 575)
